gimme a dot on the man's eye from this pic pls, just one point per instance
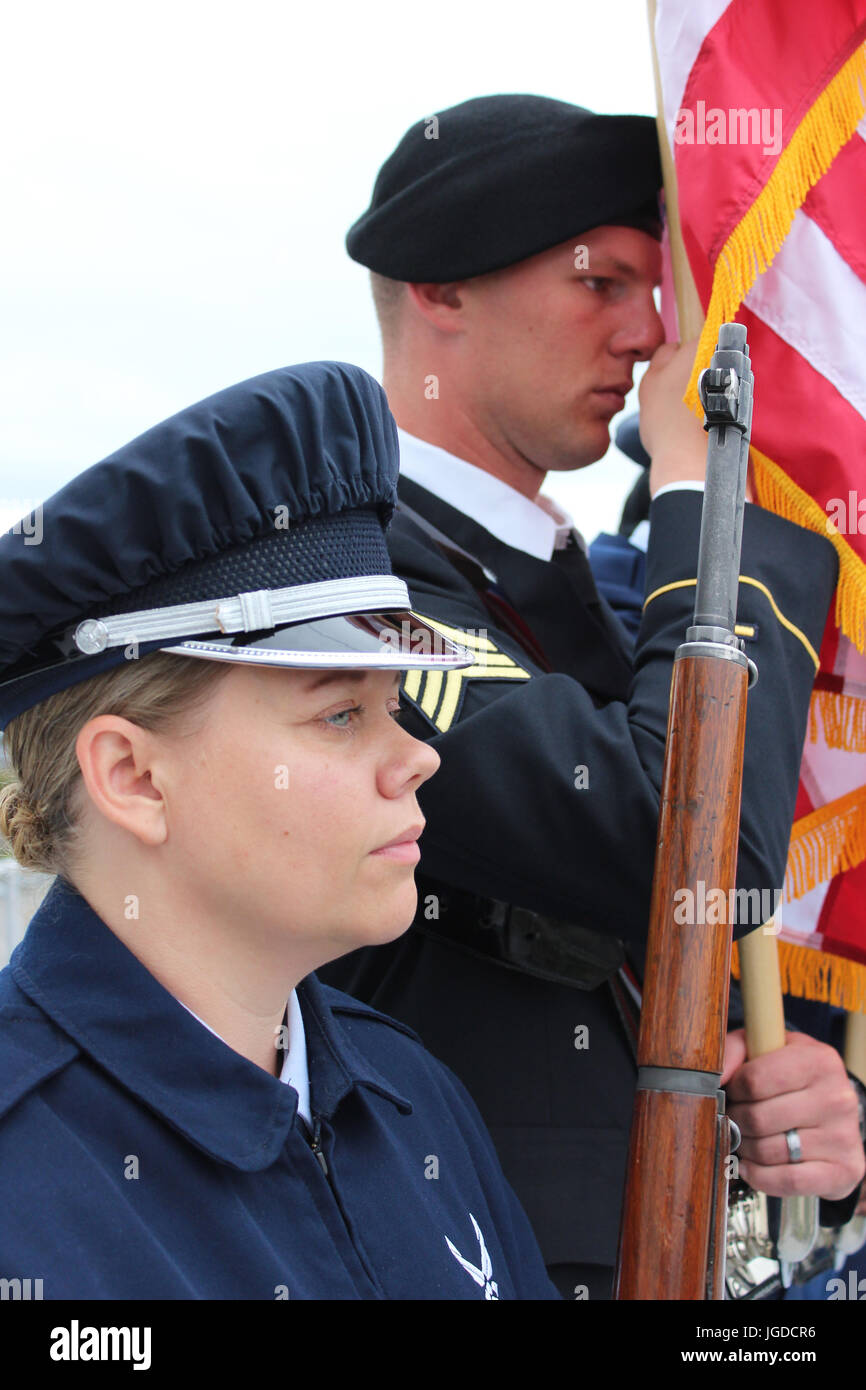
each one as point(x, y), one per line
point(597, 283)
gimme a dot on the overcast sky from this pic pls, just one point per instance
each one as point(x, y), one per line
point(178, 179)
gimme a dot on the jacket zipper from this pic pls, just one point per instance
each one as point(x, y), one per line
point(316, 1146)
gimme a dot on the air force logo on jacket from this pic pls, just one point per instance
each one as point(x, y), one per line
point(143, 1158)
point(481, 1276)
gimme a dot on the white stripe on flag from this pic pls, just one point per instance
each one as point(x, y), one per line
point(680, 32)
point(799, 296)
point(828, 773)
point(799, 916)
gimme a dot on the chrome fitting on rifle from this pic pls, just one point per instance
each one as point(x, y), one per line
point(706, 640)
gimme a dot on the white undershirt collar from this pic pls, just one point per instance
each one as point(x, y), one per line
point(294, 1069)
point(538, 527)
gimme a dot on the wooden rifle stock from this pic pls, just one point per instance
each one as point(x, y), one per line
point(672, 1237)
point(676, 1183)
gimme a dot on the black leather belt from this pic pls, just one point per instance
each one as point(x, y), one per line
point(517, 938)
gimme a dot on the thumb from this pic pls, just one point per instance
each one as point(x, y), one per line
point(735, 1054)
point(663, 354)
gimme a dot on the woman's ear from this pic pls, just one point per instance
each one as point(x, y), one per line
point(117, 761)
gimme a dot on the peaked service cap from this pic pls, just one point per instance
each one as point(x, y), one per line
point(247, 528)
point(497, 179)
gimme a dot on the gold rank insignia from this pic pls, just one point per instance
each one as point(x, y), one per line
point(439, 694)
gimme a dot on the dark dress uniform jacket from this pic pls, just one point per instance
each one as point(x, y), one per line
point(141, 1157)
point(547, 798)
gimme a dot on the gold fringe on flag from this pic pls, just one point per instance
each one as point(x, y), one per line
point(827, 842)
point(780, 494)
point(817, 975)
point(751, 247)
point(828, 124)
point(824, 843)
point(842, 717)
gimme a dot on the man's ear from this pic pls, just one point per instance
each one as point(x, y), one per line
point(440, 305)
point(116, 758)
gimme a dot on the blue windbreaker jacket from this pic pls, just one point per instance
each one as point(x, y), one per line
point(141, 1157)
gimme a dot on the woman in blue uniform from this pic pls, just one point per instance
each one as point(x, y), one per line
point(199, 670)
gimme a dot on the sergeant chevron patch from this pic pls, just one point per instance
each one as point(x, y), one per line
point(439, 695)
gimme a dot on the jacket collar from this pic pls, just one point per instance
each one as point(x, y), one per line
point(589, 643)
point(84, 978)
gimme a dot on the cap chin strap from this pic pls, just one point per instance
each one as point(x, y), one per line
point(251, 612)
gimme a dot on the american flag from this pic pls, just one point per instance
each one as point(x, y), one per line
point(763, 105)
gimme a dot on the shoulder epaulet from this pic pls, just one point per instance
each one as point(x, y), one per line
point(341, 1003)
point(32, 1048)
point(439, 695)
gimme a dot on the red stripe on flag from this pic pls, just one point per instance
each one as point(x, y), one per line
point(759, 56)
point(803, 424)
point(804, 805)
point(838, 202)
point(842, 920)
point(829, 644)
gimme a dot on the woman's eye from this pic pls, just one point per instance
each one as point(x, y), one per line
point(343, 718)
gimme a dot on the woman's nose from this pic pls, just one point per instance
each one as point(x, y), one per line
point(410, 764)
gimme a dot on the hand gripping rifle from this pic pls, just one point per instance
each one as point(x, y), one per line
point(672, 1238)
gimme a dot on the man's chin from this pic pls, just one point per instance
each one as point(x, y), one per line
point(574, 460)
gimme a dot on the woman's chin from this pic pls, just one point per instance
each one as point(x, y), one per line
point(388, 918)
point(396, 925)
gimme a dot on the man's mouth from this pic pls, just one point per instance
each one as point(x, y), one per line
point(613, 397)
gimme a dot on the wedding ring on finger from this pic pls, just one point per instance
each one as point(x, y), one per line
point(795, 1148)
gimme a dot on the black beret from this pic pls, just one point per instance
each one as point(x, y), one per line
point(259, 510)
point(500, 178)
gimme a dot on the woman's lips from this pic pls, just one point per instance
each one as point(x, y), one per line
point(406, 852)
point(403, 848)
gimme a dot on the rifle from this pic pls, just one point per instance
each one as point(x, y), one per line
point(672, 1237)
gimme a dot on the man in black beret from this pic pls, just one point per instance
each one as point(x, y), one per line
point(514, 245)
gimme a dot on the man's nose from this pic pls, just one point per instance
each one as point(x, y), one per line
point(641, 334)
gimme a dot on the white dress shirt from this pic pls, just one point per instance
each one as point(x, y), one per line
point(538, 527)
